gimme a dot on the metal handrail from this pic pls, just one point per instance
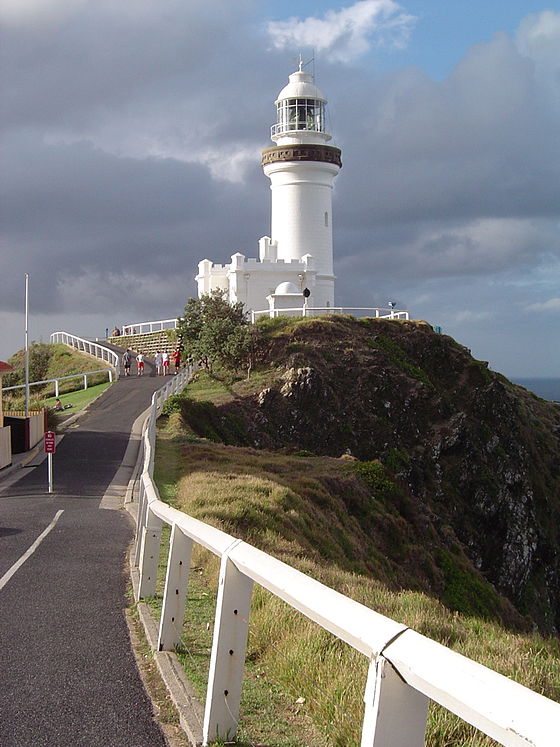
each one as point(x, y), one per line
point(84, 374)
point(406, 669)
point(377, 312)
point(91, 348)
point(137, 328)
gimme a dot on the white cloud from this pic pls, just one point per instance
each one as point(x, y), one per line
point(553, 304)
point(25, 12)
point(347, 33)
point(538, 38)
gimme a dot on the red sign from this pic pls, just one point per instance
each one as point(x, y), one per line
point(50, 442)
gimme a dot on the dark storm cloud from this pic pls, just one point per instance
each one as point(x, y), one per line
point(131, 143)
point(74, 209)
point(483, 145)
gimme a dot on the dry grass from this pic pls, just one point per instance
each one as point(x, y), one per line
point(292, 508)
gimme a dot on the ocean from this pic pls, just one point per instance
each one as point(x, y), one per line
point(545, 388)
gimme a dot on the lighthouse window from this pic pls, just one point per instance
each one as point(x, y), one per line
point(300, 114)
point(326, 220)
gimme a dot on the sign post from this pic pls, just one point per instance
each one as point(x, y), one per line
point(50, 448)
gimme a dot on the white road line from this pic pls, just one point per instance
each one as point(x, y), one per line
point(7, 576)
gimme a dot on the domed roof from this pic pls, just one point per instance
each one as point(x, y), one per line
point(301, 86)
point(286, 288)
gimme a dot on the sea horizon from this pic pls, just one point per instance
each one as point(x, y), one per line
point(547, 387)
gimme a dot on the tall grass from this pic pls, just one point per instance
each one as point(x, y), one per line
point(297, 509)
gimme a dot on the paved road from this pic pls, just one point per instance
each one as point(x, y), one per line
point(67, 672)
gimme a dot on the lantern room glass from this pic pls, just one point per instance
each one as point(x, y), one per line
point(299, 114)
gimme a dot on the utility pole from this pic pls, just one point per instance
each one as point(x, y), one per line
point(26, 345)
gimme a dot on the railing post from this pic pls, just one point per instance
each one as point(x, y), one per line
point(395, 713)
point(56, 387)
point(149, 555)
point(140, 521)
point(175, 594)
point(85, 381)
point(227, 661)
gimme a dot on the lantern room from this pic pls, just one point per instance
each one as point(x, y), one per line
point(300, 109)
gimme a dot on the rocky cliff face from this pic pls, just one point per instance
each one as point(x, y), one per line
point(480, 453)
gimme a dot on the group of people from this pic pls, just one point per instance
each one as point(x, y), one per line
point(161, 360)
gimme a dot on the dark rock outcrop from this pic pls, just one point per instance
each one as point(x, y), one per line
point(481, 453)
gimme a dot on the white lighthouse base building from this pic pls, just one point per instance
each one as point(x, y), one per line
point(267, 283)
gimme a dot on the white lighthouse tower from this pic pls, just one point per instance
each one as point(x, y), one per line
point(298, 255)
point(301, 169)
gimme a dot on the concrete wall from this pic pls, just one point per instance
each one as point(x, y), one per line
point(37, 427)
point(5, 446)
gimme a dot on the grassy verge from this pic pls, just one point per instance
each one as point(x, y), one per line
point(80, 398)
point(270, 714)
point(76, 401)
point(307, 512)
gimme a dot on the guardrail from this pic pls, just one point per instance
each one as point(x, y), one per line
point(142, 328)
point(406, 669)
point(87, 346)
point(378, 312)
point(84, 375)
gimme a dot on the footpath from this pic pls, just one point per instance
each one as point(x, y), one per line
point(69, 676)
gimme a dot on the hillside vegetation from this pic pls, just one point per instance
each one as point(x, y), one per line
point(383, 460)
point(48, 361)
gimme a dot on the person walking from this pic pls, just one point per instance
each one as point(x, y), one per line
point(165, 362)
point(176, 355)
point(127, 360)
point(140, 364)
point(158, 360)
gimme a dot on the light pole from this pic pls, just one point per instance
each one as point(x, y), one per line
point(26, 345)
point(306, 294)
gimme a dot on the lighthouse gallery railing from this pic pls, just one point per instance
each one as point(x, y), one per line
point(406, 669)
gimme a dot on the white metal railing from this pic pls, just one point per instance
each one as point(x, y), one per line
point(379, 313)
point(406, 669)
point(84, 375)
point(87, 346)
point(141, 328)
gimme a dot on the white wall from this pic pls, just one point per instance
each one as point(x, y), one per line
point(301, 196)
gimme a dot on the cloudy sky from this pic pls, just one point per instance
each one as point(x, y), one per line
point(131, 139)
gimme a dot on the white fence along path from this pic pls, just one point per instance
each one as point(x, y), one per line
point(84, 375)
point(140, 328)
point(87, 346)
point(406, 669)
point(362, 311)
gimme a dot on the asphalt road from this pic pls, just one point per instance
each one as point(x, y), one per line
point(67, 671)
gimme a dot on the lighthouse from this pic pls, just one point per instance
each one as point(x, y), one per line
point(295, 263)
point(301, 168)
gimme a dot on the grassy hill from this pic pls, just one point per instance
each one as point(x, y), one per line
point(49, 361)
point(375, 456)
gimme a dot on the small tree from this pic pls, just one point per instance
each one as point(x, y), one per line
point(216, 332)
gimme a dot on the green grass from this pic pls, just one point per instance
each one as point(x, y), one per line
point(283, 507)
point(344, 524)
point(78, 399)
point(268, 715)
point(51, 361)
